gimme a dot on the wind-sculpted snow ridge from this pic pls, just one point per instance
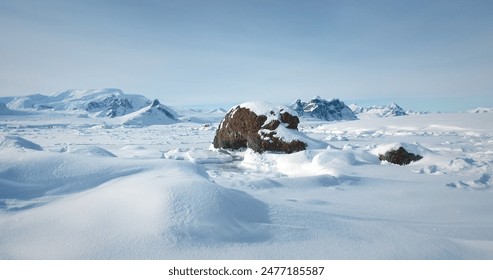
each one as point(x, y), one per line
point(13, 141)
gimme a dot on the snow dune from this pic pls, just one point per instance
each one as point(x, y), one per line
point(129, 213)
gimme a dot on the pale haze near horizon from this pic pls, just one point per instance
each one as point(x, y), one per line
point(424, 55)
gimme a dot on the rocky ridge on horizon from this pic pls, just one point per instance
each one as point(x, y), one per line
point(329, 110)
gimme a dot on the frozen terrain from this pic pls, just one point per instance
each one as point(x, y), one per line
point(79, 187)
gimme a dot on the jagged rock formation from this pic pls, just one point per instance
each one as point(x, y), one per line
point(400, 156)
point(259, 127)
point(317, 107)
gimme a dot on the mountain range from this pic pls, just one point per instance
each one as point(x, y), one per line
point(134, 109)
point(329, 110)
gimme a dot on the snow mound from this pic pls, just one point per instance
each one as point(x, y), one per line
point(199, 156)
point(333, 162)
point(153, 114)
point(177, 209)
point(89, 151)
point(23, 180)
point(12, 141)
point(138, 151)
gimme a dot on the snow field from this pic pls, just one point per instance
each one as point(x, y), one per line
point(81, 188)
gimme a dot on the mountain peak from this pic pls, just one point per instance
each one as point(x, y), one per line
point(155, 103)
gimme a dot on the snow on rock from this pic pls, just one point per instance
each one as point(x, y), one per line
point(151, 115)
point(329, 110)
point(262, 108)
point(412, 148)
point(12, 141)
point(400, 156)
point(262, 127)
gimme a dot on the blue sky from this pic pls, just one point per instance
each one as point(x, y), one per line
point(424, 55)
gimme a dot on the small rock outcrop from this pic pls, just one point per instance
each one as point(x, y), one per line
point(400, 156)
point(260, 127)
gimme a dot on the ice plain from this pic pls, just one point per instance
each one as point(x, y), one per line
point(77, 187)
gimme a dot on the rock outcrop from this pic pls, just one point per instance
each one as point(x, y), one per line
point(400, 156)
point(261, 127)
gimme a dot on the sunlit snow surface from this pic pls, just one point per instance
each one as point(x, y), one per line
point(86, 188)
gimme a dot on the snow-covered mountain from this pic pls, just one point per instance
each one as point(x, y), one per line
point(390, 110)
point(317, 107)
point(107, 102)
point(156, 113)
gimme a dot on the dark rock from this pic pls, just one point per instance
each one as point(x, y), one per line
point(292, 121)
point(242, 128)
point(400, 156)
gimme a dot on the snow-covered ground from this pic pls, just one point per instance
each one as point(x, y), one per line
point(75, 187)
